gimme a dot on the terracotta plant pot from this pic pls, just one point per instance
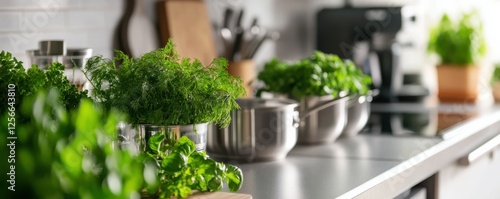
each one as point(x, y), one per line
point(496, 91)
point(458, 83)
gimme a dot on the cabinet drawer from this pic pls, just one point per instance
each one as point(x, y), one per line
point(479, 179)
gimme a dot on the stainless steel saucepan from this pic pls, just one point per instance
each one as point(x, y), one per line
point(262, 130)
point(322, 119)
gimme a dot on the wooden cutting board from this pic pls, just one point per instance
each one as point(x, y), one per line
point(188, 24)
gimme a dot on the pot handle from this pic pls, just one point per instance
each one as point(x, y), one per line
point(296, 119)
point(321, 107)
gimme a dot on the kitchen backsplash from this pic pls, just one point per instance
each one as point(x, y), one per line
point(92, 23)
point(80, 23)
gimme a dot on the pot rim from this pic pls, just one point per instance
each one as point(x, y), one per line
point(284, 104)
point(171, 126)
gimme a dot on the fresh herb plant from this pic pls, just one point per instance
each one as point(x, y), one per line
point(181, 169)
point(318, 75)
point(29, 82)
point(161, 88)
point(70, 154)
point(63, 154)
point(459, 43)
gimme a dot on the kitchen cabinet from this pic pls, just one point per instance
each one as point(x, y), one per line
point(477, 179)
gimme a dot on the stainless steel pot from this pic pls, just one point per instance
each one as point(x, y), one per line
point(137, 140)
point(77, 57)
point(357, 114)
point(322, 119)
point(262, 130)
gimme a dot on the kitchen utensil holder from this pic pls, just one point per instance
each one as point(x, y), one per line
point(245, 70)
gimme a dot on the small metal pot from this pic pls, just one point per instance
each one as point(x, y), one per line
point(137, 140)
point(322, 119)
point(262, 130)
point(357, 114)
point(77, 57)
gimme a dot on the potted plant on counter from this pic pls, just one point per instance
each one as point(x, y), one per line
point(164, 93)
point(21, 83)
point(495, 83)
point(320, 83)
point(460, 46)
point(73, 155)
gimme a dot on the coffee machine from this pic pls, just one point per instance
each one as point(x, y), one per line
point(367, 35)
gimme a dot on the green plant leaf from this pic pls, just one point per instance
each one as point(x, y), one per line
point(234, 178)
point(155, 141)
point(184, 146)
point(174, 162)
point(215, 184)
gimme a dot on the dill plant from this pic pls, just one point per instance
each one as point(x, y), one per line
point(161, 88)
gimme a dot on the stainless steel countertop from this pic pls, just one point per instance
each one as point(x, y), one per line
point(366, 166)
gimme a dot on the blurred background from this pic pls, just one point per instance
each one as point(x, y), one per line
point(94, 24)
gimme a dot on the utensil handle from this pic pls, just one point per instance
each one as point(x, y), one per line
point(321, 107)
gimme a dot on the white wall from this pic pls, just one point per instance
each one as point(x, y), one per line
point(80, 23)
point(91, 23)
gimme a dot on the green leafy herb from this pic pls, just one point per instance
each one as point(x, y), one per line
point(161, 88)
point(70, 155)
point(29, 82)
point(317, 75)
point(459, 43)
point(181, 169)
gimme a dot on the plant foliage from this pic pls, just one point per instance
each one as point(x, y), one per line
point(320, 74)
point(181, 169)
point(161, 88)
point(29, 82)
point(459, 43)
point(69, 155)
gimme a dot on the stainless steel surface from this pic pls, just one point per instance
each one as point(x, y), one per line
point(357, 115)
point(308, 177)
point(481, 151)
point(263, 130)
point(77, 57)
point(365, 166)
point(54, 47)
point(42, 61)
point(373, 147)
point(137, 139)
point(322, 119)
point(74, 60)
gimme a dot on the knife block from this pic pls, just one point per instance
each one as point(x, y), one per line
point(245, 70)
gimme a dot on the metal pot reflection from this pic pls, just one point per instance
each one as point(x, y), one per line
point(136, 140)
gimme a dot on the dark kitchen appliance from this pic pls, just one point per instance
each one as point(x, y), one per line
point(367, 36)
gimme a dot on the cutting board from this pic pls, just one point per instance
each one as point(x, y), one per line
point(188, 24)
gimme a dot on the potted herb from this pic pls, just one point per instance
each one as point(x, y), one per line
point(23, 83)
point(72, 155)
point(50, 159)
point(460, 46)
point(320, 83)
point(495, 83)
point(163, 93)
